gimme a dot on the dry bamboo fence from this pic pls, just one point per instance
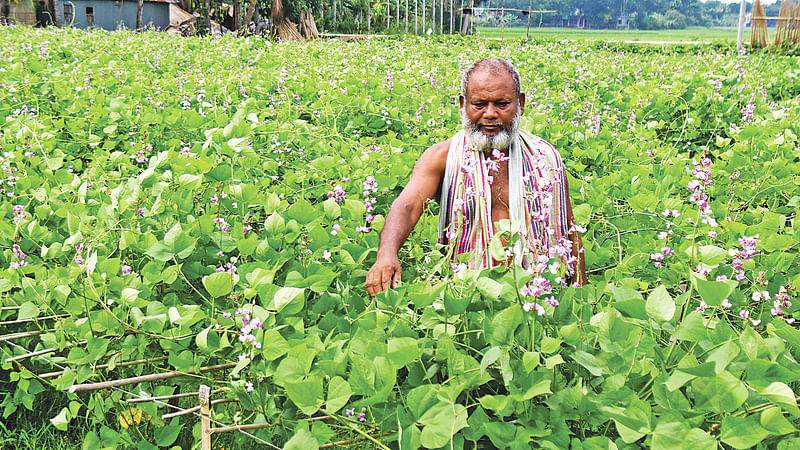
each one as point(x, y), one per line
point(759, 36)
point(203, 409)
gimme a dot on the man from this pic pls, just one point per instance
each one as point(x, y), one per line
point(487, 172)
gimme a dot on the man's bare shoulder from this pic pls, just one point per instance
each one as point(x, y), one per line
point(436, 155)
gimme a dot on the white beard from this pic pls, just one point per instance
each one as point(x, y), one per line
point(476, 140)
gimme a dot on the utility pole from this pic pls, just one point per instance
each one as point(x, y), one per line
point(388, 14)
point(397, 15)
point(423, 17)
point(740, 33)
point(416, 25)
point(441, 16)
point(406, 17)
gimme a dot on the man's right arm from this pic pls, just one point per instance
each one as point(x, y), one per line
point(404, 215)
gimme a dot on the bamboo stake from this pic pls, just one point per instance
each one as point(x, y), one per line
point(33, 319)
point(249, 426)
point(105, 366)
point(161, 397)
point(205, 423)
point(143, 378)
point(40, 352)
point(12, 336)
point(9, 308)
point(198, 407)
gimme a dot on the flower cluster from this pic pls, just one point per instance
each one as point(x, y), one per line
point(697, 186)
point(370, 188)
point(659, 256)
point(740, 256)
point(538, 286)
point(249, 324)
point(337, 193)
point(19, 213)
point(781, 304)
point(19, 257)
point(222, 224)
point(362, 416)
point(229, 267)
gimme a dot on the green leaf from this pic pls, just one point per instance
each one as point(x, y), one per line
point(166, 435)
point(160, 251)
point(218, 284)
point(441, 422)
point(306, 394)
point(303, 212)
point(742, 432)
point(489, 358)
point(302, 440)
point(772, 420)
point(61, 420)
point(402, 351)
point(207, 341)
point(713, 292)
point(274, 224)
point(27, 310)
point(751, 342)
point(629, 302)
point(692, 328)
point(781, 394)
point(339, 393)
point(589, 362)
point(660, 306)
point(290, 297)
point(722, 393)
point(489, 288)
point(550, 345)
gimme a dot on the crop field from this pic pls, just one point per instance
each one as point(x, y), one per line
point(183, 203)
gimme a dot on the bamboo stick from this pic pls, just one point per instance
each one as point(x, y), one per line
point(105, 366)
point(143, 378)
point(161, 397)
point(40, 352)
point(197, 408)
point(9, 308)
point(9, 337)
point(249, 426)
point(33, 319)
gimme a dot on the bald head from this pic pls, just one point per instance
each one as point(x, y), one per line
point(491, 66)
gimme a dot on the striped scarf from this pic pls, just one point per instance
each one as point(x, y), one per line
point(537, 201)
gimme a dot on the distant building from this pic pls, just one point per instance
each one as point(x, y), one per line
point(115, 14)
point(17, 12)
point(622, 22)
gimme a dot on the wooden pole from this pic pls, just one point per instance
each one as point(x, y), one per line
point(205, 422)
point(740, 33)
point(416, 14)
point(423, 17)
point(502, 22)
point(530, 7)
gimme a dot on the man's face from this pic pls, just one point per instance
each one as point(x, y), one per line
point(491, 110)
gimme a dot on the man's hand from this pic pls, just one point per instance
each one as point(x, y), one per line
point(384, 274)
